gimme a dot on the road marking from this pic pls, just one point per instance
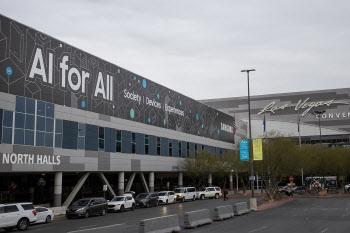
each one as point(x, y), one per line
point(324, 230)
point(88, 226)
point(258, 229)
point(96, 228)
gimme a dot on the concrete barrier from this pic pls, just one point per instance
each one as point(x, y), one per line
point(115, 228)
point(240, 208)
point(164, 224)
point(223, 212)
point(59, 210)
point(197, 218)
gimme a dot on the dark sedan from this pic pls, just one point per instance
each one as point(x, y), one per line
point(146, 200)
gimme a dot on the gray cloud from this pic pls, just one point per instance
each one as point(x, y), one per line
point(199, 47)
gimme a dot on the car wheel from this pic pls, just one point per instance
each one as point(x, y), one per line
point(122, 208)
point(193, 198)
point(133, 207)
point(69, 217)
point(48, 219)
point(147, 205)
point(22, 224)
point(183, 199)
point(202, 196)
point(103, 213)
point(174, 201)
point(86, 215)
point(167, 202)
point(157, 203)
point(216, 196)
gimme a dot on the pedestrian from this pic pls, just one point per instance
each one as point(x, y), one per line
point(225, 195)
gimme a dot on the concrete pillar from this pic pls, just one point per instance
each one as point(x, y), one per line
point(57, 191)
point(210, 182)
point(76, 189)
point(231, 182)
point(151, 182)
point(121, 183)
point(180, 181)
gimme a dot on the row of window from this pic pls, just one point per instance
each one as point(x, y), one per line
point(34, 124)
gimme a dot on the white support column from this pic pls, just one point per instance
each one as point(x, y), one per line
point(151, 182)
point(231, 182)
point(57, 191)
point(180, 181)
point(76, 189)
point(131, 180)
point(121, 183)
point(144, 183)
point(105, 181)
point(210, 181)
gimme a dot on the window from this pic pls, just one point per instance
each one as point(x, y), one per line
point(158, 145)
point(133, 143)
point(188, 149)
point(180, 144)
point(44, 124)
point(70, 135)
point(170, 147)
point(58, 134)
point(119, 141)
point(81, 136)
point(10, 208)
point(1, 209)
point(7, 127)
point(146, 144)
point(91, 137)
point(101, 138)
point(27, 206)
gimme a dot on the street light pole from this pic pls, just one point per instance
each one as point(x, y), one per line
point(250, 136)
point(318, 114)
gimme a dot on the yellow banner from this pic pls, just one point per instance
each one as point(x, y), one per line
point(257, 149)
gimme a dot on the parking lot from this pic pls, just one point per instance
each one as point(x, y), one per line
point(319, 215)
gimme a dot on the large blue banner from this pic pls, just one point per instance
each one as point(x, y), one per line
point(244, 150)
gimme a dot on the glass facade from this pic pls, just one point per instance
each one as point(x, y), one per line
point(33, 123)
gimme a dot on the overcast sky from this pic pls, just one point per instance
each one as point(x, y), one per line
point(199, 47)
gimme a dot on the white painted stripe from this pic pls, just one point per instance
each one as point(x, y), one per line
point(258, 229)
point(324, 230)
point(96, 228)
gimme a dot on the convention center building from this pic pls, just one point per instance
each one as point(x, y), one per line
point(317, 116)
point(72, 123)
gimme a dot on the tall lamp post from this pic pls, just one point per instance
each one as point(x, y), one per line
point(318, 114)
point(250, 136)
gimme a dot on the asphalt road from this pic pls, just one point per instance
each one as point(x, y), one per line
point(309, 215)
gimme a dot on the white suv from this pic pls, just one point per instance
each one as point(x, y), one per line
point(121, 203)
point(18, 215)
point(209, 192)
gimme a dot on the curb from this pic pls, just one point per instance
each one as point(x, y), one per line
point(276, 204)
point(59, 217)
point(330, 196)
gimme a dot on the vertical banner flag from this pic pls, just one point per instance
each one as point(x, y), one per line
point(244, 150)
point(257, 149)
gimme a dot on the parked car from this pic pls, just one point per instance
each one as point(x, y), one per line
point(19, 215)
point(87, 206)
point(208, 192)
point(120, 203)
point(146, 200)
point(287, 190)
point(44, 214)
point(166, 197)
point(185, 193)
point(301, 190)
point(347, 188)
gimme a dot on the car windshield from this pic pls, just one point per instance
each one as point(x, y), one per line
point(179, 190)
point(202, 189)
point(142, 195)
point(162, 194)
point(81, 203)
point(118, 199)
